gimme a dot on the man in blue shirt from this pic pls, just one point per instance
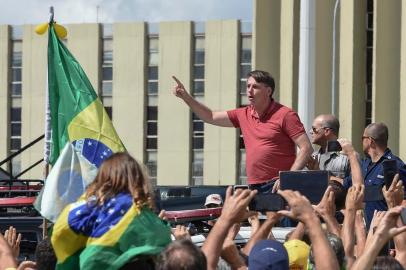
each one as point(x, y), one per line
point(375, 147)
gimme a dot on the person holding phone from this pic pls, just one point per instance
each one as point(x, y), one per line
point(270, 130)
point(325, 130)
point(375, 147)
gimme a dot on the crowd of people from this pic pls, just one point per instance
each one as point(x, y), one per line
point(114, 224)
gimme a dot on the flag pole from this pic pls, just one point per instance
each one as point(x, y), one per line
point(47, 146)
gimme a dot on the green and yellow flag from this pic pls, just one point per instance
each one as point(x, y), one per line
point(82, 134)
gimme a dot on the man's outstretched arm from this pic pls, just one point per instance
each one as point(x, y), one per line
point(202, 111)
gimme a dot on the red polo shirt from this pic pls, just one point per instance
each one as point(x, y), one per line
point(268, 139)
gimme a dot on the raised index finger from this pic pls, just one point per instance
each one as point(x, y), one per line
point(177, 81)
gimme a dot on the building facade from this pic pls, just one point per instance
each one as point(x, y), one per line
point(131, 64)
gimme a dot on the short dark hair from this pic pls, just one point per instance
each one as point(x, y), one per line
point(45, 255)
point(386, 262)
point(182, 255)
point(264, 77)
point(379, 132)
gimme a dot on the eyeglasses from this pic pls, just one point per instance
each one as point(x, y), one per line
point(314, 130)
point(367, 137)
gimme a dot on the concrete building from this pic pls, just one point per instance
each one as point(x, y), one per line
point(131, 65)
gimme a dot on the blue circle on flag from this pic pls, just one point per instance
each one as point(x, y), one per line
point(93, 150)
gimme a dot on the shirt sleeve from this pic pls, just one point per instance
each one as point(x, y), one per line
point(292, 125)
point(233, 116)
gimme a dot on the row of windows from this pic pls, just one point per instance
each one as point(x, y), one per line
point(197, 124)
point(245, 68)
point(15, 110)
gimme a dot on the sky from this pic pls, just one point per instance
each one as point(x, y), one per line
point(15, 12)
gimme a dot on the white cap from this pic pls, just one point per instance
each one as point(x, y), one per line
point(213, 199)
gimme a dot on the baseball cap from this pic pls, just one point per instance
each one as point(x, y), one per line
point(298, 252)
point(213, 199)
point(268, 255)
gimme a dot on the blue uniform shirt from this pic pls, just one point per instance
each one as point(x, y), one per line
point(373, 175)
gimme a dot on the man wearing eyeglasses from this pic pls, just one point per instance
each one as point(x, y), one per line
point(325, 128)
point(375, 148)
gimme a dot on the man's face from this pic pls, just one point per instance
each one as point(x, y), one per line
point(257, 92)
point(318, 132)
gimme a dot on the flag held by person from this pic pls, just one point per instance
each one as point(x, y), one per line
point(82, 132)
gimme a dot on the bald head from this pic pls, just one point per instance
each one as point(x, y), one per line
point(379, 132)
point(329, 121)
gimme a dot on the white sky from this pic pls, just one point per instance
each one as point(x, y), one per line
point(16, 12)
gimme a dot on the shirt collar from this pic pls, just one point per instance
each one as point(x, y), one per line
point(266, 113)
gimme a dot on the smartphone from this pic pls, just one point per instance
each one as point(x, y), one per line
point(264, 202)
point(333, 146)
point(403, 216)
point(235, 187)
point(390, 169)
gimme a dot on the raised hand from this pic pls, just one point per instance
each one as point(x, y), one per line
point(346, 145)
point(394, 195)
point(179, 90)
point(235, 206)
point(355, 198)
point(181, 232)
point(327, 207)
point(300, 207)
point(13, 240)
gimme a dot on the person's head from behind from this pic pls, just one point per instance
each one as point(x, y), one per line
point(213, 201)
point(340, 193)
point(325, 128)
point(45, 256)
point(182, 255)
point(140, 262)
point(298, 252)
point(260, 86)
point(387, 263)
point(375, 137)
point(268, 254)
point(121, 173)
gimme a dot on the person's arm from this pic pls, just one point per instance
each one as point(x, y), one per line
point(306, 149)
point(262, 232)
point(354, 200)
point(301, 209)
point(202, 111)
point(233, 209)
point(384, 232)
point(360, 232)
point(298, 232)
point(356, 172)
point(394, 197)
point(326, 209)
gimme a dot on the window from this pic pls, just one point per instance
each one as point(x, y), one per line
point(15, 123)
point(197, 124)
point(245, 68)
point(152, 108)
point(107, 75)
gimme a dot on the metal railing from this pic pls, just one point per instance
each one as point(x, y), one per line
point(9, 160)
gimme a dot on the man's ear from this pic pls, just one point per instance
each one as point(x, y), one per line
point(270, 91)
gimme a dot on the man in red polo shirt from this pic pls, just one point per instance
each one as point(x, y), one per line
point(270, 130)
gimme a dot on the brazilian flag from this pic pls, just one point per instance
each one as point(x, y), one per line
point(107, 236)
point(82, 133)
